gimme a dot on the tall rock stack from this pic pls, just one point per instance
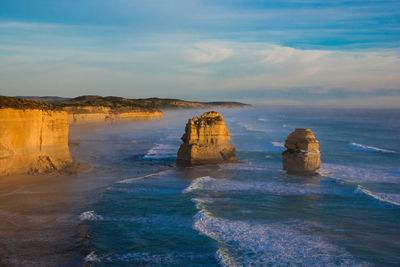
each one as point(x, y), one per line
point(206, 141)
point(302, 155)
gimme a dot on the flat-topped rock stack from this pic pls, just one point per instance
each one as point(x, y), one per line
point(302, 155)
point(206, 141)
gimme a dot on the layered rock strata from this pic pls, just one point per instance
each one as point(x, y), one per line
point(302, 155)
point(33, 141)
point(99, 114)
point(205, 141)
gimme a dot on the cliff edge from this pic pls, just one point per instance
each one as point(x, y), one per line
point(302, 155)
point(205, 141)
point(33, 137)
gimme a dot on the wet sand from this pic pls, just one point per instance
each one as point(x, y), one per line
point(39, 216)
point(37, 222)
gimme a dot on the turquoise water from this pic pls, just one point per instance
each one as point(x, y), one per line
point(251, 213)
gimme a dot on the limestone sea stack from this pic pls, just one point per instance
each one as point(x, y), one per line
point(302, 155)
point(206, 141)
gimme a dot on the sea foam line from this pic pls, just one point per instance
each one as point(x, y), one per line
point(161, 151)
point(132, 180)
point(210, 184)
point(370, 148)
point(384, 197)
point(170, 258)
point(278, 144)
point(241, 243)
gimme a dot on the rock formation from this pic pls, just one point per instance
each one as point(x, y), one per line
point(206, 141)
point(302, 155)
point(33, 140)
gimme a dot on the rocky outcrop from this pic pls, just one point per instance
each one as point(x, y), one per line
point(302, 155)
point(33, 141)
point(206, 141)
point(100, 114)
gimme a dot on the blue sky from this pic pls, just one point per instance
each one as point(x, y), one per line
point(340, 53)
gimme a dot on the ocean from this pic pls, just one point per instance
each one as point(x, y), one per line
point(147, 212)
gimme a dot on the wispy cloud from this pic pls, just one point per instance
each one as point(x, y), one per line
point(209, 52)
point(290, 51)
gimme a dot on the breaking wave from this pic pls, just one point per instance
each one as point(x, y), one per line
point(370, 148)
point(253, 128)
point(241, 243)
point(132, 180)
point(160, 151)
point(273, 187)
point(90, 216)
point(384, 197)
point(358, 174)
point(146, 259)
point(278, 144)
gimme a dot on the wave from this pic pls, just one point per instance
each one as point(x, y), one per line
point(210, 184)
point(384, 197)
point(278, 144)
point(90, 216)
point(370, 148)
point(358, 174)
point(160, 151)
point(170, 258)
point(244, 167)
point(132, 180)
point(253, 128)
point(241, 243)
point(92, 257)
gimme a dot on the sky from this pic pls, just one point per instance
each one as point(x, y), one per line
point(292, 52)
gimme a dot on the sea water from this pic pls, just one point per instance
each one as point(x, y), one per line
point(151, 213)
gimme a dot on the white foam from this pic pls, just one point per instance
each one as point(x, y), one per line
point(242, 243)
point(384, 197)
point(200, 183)
point(278, 144)
point(262, 119)
point(160, 151)
point(170, 258)
point(132, 180)
point(273, 187)
point(92, 257)
point(358, 174)
point(370, 148)
point(90, 216)
point(253, 128)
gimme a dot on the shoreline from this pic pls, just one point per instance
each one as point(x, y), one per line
point(40, 216)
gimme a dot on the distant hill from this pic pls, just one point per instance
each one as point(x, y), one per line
point(143, 103)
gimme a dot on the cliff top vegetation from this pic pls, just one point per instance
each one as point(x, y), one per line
point(20, 103)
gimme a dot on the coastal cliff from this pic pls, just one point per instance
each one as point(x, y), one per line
point(33, 138)
point(100, 114)
point(302, 155)
point(206, 141)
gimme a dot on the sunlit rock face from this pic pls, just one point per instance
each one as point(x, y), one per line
point(302, 155)
point(99, 114)
point(206, 141)
point(33, 141)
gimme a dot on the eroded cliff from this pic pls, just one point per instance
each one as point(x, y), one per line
point(302, 155)
point(206, 141)
point(33, 141)
point(101, 114)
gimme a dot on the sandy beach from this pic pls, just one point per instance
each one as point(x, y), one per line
point(39, 215)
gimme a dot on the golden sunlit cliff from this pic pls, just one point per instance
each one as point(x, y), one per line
point(33, 138)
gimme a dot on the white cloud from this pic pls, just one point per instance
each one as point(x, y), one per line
point(210, 52)
point(288, 67)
